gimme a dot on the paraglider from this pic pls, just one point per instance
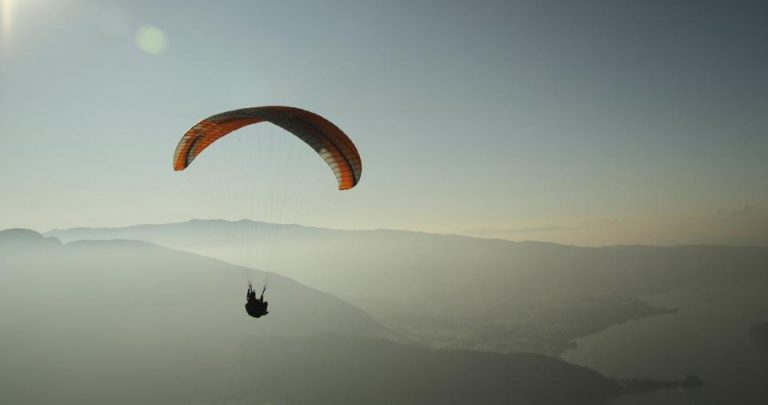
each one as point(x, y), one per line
point(330, 142)
point(255, 307)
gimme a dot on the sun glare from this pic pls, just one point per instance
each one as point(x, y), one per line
point(6, 20)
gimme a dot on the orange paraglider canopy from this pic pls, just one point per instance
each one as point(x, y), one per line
point(330, 142)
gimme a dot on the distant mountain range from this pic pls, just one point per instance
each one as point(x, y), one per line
point(124, 322)
point(457, 291)
point(129, 284)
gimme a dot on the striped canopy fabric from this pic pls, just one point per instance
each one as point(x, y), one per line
point(330, 142)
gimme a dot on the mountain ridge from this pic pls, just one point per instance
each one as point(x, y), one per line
point(247, 221)
point(139, 264)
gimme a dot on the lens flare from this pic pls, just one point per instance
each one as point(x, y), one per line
point(152, 40)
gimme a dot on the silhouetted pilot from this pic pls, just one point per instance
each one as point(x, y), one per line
point(256, 307)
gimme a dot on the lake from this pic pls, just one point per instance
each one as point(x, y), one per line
point(708, 336)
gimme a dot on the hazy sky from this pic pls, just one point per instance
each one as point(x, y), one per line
point(584, 122)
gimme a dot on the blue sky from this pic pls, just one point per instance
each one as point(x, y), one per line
point(592, 123)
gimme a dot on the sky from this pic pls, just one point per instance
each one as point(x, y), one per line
point(588, 123)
